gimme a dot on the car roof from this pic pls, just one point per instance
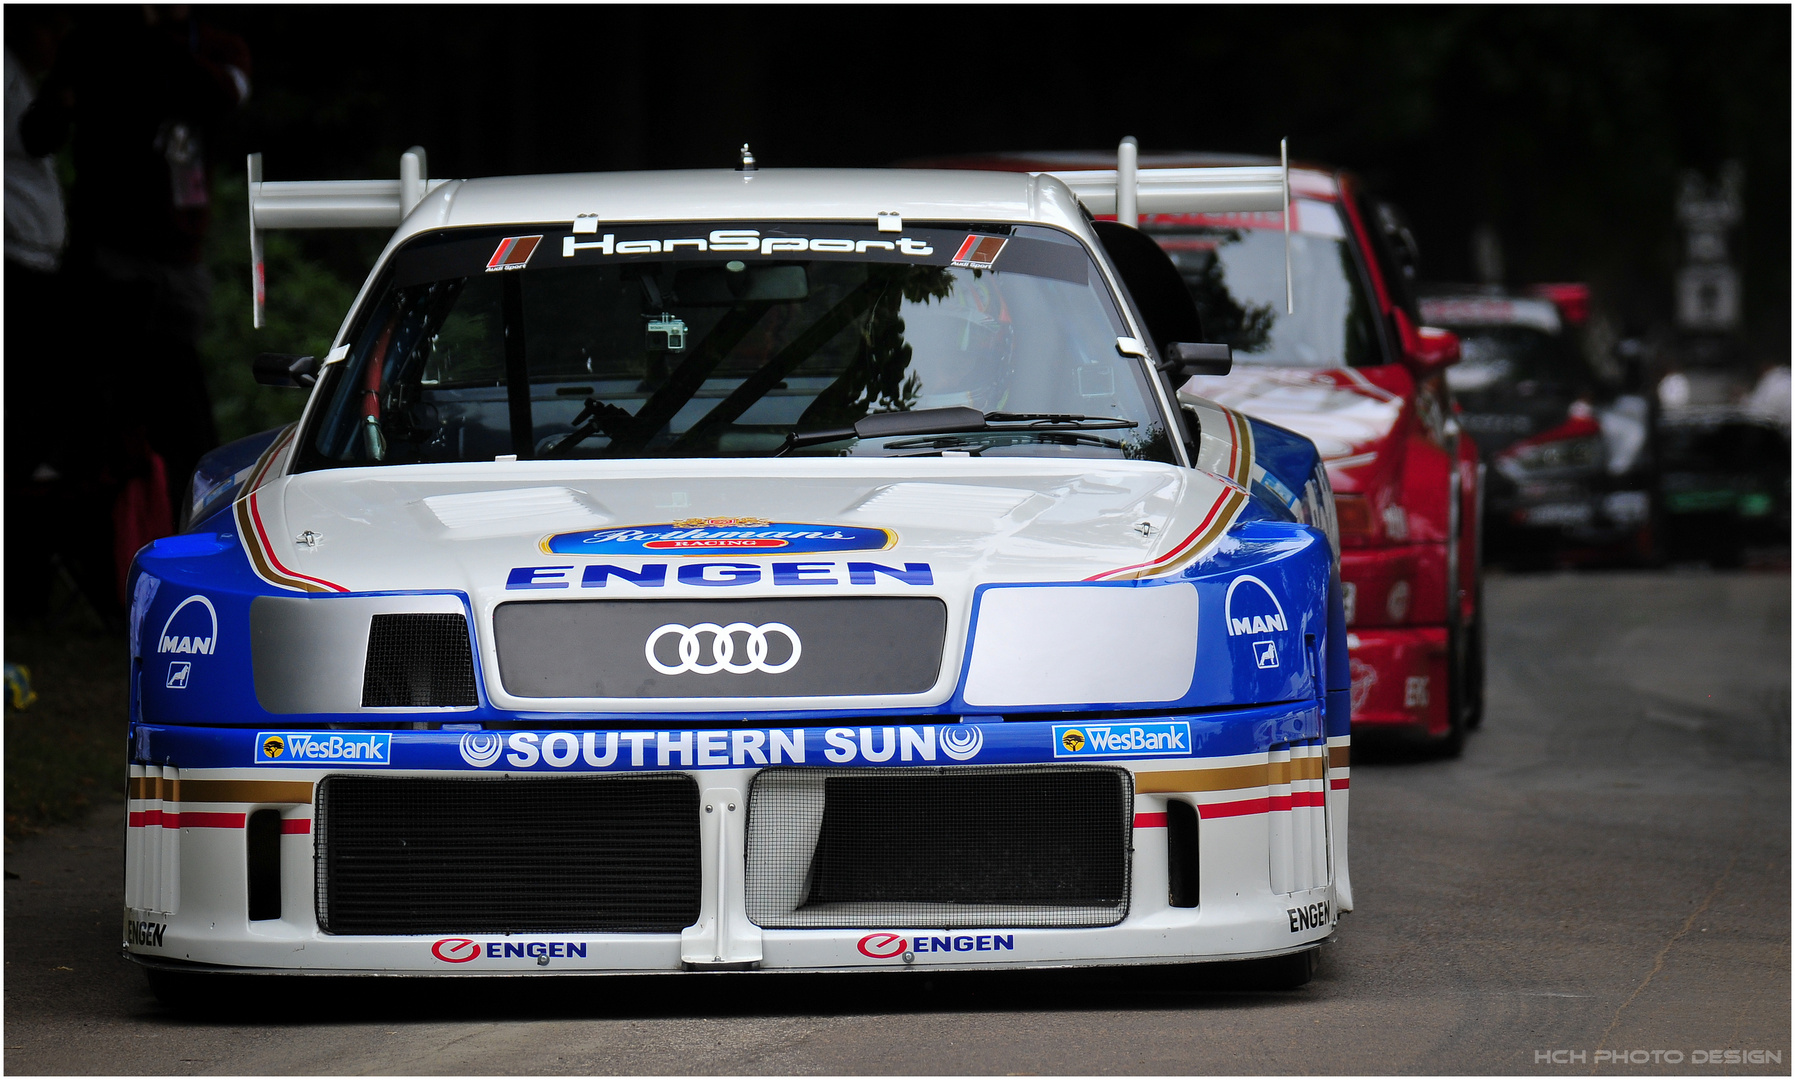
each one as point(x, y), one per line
point(766, 194)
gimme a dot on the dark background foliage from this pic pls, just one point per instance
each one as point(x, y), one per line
point(1564, 129)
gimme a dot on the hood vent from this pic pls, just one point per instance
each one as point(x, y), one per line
point(418, 661)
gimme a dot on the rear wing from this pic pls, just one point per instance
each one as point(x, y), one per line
point(1127, 191)
point(328, 204)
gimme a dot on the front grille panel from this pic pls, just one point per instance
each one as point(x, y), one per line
point(961, 847)
point(426, 855)
point(814, 647)
point(418, 661)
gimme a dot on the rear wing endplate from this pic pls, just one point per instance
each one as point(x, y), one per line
point(1128, 191)
point(328, 204)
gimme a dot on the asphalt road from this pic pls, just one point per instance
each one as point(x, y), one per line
point(1605, 872)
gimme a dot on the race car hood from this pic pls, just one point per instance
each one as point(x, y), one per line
point(470, 527)
point(962, 584)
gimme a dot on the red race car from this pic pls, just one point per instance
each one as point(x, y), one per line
point(1327, 341)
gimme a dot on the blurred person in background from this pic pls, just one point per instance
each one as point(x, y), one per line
point(36, 229)
point(142, 92)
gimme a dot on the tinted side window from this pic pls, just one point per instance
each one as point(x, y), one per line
point(1393, 246)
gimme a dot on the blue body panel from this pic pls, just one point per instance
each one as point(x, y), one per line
point(571, 748)
point(214, 478)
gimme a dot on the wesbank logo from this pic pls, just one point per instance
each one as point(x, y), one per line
point(1151, 738)
point(335, 747)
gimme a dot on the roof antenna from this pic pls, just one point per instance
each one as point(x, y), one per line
point(747, 164)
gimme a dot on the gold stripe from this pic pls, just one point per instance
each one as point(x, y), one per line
point(1216, 529)
point(1239, 776)
point(1229, 778)
point(1339, 756)
point(291, 792)
point(252, 544)
point(1244, 439)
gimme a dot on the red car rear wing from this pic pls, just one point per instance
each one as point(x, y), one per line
point(1128, 191)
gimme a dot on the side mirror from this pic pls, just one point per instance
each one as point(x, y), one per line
point(1186, 358)
point(285, 369)
point(1425, 349)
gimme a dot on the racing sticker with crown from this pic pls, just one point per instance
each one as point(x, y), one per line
point(708, 536)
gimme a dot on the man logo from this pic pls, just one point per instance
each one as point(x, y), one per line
point(481, 749)
point(274, 746)
point(1073, 740)
point(204, 643)
point(1250, 621)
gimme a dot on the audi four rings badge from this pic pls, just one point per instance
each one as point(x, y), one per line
point(722, 648)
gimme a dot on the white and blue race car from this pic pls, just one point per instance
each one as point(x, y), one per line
point(759, 569)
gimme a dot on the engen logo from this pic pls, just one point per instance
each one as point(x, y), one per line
point(1254, 610)
point(459, 950)
point(456, 950)
point(335, 748)
point(883, 946)
point(1148, 739)
point(886, 945)
point(197, 633)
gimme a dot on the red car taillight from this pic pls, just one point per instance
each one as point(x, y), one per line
point(1354, 515)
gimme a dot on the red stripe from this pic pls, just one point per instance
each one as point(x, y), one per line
point(965, 249)
point(1338, 785)
point(1233, 809)
point(1174, 552)
point(192, 819)
point(302, 825)
point(1261, 806)
point(498, 257)
point(1149, 821)
point(255, 516)
point(198, 820)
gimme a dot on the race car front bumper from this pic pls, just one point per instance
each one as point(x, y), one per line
point(1219, 850)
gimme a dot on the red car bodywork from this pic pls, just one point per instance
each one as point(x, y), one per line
point(1406, 483)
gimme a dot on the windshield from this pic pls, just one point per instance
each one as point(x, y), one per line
point(708, 340)
point(1234, 266)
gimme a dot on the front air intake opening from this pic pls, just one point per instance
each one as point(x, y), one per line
point(449, 855)
point(262, 836)
point(1181, 853)
point(418, 661)
point(935, 847)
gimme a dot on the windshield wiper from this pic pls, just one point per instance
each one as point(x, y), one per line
point(935, 444)
point(952, 421)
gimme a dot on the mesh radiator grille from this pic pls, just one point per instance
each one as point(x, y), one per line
point(927, 847)
point(426, 855)
point(417, 661)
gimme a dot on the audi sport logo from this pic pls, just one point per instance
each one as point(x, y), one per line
point(883, 946)
point(455, 950)
point(721, 641)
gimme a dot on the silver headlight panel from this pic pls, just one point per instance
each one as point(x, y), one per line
point(310, 652)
